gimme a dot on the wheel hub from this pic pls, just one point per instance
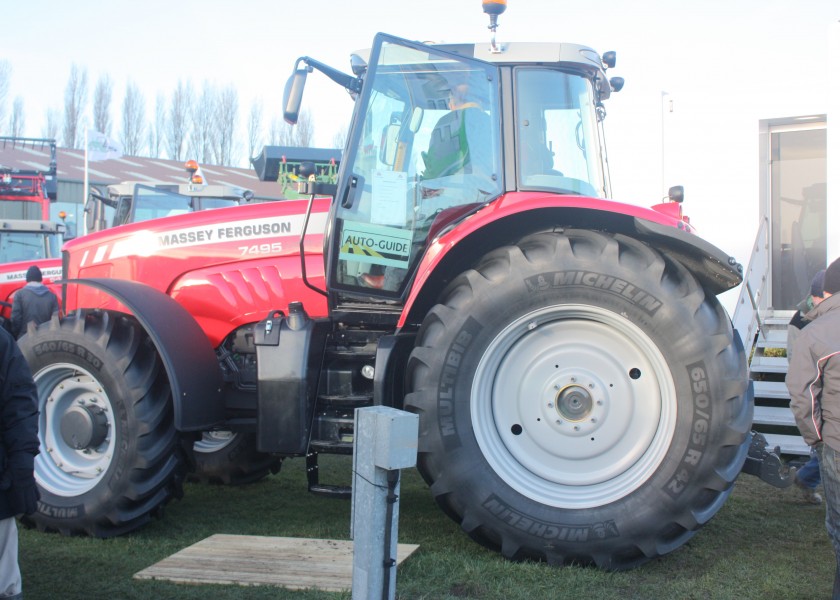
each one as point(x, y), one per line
point(574, 403)
point(84, 427)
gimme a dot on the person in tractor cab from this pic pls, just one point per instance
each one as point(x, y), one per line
point(458, 167)
point(459, 145)
point(33, 302)
point(456, 137)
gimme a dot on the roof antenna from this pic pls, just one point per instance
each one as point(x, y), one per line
point(494, 8)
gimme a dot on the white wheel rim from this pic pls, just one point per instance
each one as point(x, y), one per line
point(573, 406)
point(213, 441)
point(60, 468)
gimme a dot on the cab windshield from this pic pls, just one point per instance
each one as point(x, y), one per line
point(155, 202)
point(427, 150)
point(18, 246)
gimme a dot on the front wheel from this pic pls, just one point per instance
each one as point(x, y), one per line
point(231, 458)
point(581, 400)
point(110, 455)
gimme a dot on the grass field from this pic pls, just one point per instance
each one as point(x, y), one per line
point(764, 544)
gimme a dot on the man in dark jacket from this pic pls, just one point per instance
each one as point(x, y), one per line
point(18, 447)
point(813, 381)
point(33, 302)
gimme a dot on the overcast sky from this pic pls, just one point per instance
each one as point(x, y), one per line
point(725, 65)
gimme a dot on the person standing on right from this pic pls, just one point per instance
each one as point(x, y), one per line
point(33, 302)
point(807, 478)
point(813, 381)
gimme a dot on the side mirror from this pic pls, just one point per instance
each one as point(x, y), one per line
point(293, 95)
point(676, 194)
point(616, 83)
point(90, 215)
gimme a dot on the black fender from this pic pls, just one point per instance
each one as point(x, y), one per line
point(716, 271)
point(190, 361)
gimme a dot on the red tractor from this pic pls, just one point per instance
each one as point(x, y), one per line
point(582, 397)
point(27, 193)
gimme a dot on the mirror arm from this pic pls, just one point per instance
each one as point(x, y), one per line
point(348, 82)
point(104, 199)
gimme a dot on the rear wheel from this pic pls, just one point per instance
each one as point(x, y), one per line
point(581, 399)
point(231, 458)
point(110, 456)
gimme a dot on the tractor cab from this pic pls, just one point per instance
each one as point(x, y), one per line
point(441, 131)
point(134, 202)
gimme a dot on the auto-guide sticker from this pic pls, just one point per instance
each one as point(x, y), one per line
point(145, 243)
point(48, 273)
point(375, 244)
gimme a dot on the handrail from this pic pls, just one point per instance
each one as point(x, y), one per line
point(752, 300)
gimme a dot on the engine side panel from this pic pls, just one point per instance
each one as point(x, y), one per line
point(226, 266)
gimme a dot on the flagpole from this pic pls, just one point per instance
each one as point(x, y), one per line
point(87, 181)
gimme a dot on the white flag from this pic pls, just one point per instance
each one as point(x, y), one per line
point(101, 147)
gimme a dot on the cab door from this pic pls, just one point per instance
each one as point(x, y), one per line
point(415, 152)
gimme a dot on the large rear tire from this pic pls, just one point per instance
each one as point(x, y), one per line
point(581, 400)
point(110, 456)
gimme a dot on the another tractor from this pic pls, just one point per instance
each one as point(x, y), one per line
point(582, 396)
point(27, 193)
point(136, 201)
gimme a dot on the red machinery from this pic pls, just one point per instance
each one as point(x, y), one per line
point(582, 397)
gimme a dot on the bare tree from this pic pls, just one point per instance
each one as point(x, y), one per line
point(102, 95)
point(17, 122)
point(340, 138)
point(75, 98)
point(177, 123)
point(299, 135)
point(5, 83)
point(227, 114)
point(203, 137)
point(52, 124)
point(133, 120)
point(255, 117)
point(157, 132)
point(304, 131)
point(276, 132)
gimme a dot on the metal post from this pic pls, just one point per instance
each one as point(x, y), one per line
point(385, 442)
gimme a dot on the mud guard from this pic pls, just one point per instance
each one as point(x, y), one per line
point(714, 269)
point(184, 349)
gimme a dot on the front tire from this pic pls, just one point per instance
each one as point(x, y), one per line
point(581, 400)
point(110, 456)
point(231, 458)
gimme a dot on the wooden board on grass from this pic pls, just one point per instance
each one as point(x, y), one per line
point(294, 563)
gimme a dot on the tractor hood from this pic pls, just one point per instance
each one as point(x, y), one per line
point(227, 266)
